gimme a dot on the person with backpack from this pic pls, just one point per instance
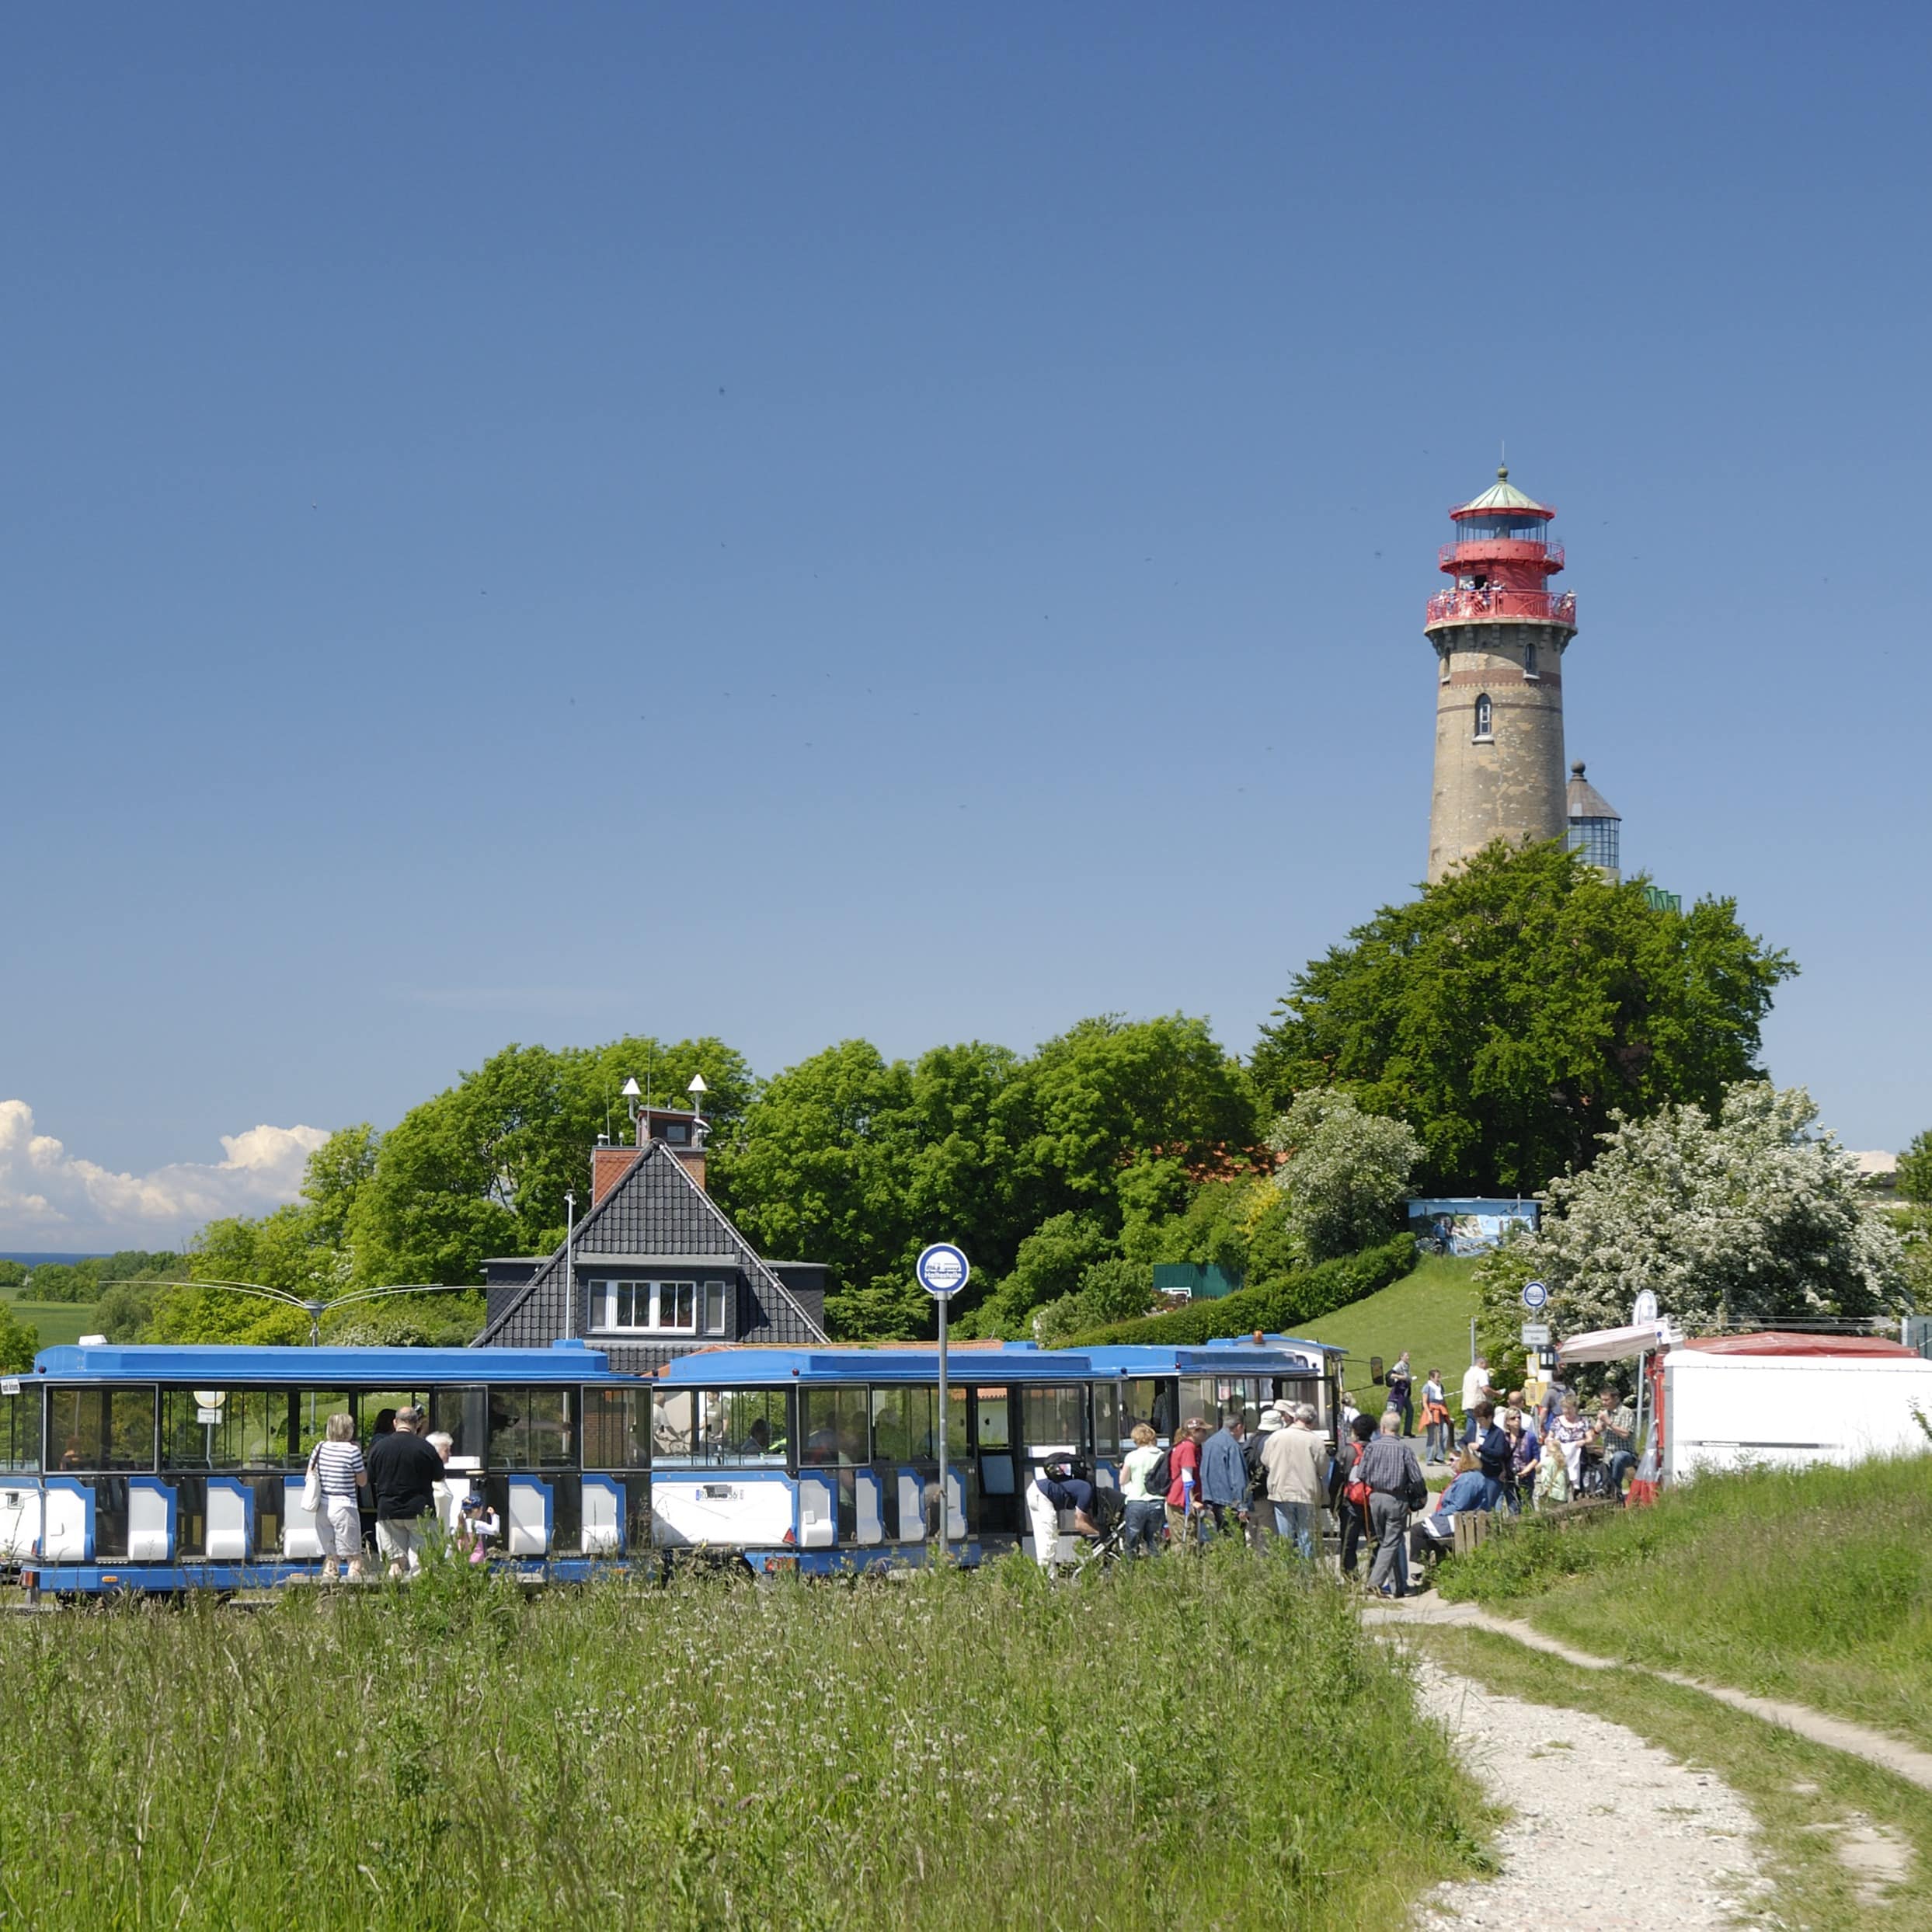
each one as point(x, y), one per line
point(1352, 1501)
point(1144, 1490)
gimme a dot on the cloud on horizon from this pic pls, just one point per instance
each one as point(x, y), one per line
point(52, 1199)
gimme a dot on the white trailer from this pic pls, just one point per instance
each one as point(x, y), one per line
point(1789, 1402)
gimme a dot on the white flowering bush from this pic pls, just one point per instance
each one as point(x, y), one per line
point(1752, 1217)
point(1345, 1174)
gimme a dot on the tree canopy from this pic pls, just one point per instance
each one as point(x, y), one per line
point(1510, 1011)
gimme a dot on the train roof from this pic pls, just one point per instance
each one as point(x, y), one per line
point(1274, 1354)
point(234, 1366)
point(1020, 1362)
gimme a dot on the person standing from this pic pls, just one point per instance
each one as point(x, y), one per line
point(1570, 1431)
point(1492, 1449)
point(1184, 1476)
point(339, 1471)
point(1224, 1475)
point(403, 1471)
point(1294, 1459)
point(1261, 1516)
point(1401, 1386)
point(1142, 1536)
point(1353, 1509)
point(1475, 1389)
point(1435, 1418)
point(1388, 1466)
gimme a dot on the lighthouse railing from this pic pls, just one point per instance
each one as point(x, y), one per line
point(1501, 604)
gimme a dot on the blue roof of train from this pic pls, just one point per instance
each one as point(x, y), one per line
point(1022, 1361)
point(1272, 1355)
point(234, 1366)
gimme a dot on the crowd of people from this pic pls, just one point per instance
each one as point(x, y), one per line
point(1276, 1483)
point(418, 1503)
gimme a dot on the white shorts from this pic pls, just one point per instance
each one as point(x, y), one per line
point(400, 1539)
point(338, 1527)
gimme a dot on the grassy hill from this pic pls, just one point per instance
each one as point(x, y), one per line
point(1427, 1313)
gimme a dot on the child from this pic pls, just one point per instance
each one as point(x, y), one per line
point(1553, 1475)
point(477, 1523)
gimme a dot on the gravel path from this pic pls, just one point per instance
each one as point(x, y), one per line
point(1627, 1838)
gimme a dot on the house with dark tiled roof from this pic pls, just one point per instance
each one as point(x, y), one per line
point(655, 1269)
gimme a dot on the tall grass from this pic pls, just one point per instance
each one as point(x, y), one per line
point(1207, 1744)
point(1813, 1584)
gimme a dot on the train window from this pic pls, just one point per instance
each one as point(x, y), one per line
point(224, 1428)
point(1108, 1430)
point(533, 1428)
point(616, 1428)
point(376, 1410)
point(463, 1415)
point(673, 1429)
point(996, 1425)
point(833, 1425)
point(101, 1428)
point(714, 1307)
point(904, 1425)
point(1150, 1400)
point(313, 1409)
point(744, 1427)
point(20, 1430)
point(1053, 1420)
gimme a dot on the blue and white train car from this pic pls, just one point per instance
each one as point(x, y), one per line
point(169, 1468)
point(826, 1460)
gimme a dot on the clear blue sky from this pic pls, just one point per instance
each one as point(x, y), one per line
point(793, 522)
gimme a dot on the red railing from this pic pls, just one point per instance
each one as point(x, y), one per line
point(1551, 554)
point(1499, 605)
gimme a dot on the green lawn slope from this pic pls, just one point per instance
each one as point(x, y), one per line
point(1427, 1313)
point(1815, 1585)
point(55, 1321)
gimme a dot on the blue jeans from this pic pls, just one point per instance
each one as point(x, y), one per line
point(1142, 1537)
point(1302, 1521)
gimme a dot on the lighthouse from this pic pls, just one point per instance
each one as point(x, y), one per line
point(1500, 633)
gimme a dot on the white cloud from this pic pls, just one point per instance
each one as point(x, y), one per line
point(51, 1199)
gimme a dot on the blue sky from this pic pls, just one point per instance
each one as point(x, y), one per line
point(529, 524)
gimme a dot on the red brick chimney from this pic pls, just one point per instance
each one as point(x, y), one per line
point(608, 1166)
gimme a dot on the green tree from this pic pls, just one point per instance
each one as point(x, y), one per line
point(1108, 1291)
point(19, 1343)
point(13, 1274)
point(1051, 1264)
point(61, 1281)
point(1511, 1011)
point(1739, 1220)
point(1915, 1171)
point(1345, 1174)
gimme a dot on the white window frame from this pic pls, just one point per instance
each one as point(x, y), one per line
point(1485, 720)
point(655, 1302)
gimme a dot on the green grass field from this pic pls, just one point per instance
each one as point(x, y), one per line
point(55, 1322)
point(1175, 1742)
point(1816, 1585)
point(1427, 1313)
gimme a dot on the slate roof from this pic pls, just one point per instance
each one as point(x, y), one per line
point(658, 1209)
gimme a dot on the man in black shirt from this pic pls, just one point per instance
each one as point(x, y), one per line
point(404, 1471)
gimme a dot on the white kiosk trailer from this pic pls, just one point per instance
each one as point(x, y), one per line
point(1776, 1399)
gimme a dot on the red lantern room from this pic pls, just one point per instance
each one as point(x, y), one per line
point(1502, 561)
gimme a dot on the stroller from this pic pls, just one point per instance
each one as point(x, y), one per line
point(1108, 1513)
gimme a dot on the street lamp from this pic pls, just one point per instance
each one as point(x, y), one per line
point(315, 1310)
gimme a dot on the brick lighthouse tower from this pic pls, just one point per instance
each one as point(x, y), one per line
point(1499, 633)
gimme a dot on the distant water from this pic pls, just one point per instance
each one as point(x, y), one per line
point(34, 1261)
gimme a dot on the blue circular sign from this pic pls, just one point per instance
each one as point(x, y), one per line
point(942, 1270)
point(1535, 1294)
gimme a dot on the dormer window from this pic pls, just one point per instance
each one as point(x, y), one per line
point(1483, 717)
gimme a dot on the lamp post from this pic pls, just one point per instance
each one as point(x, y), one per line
point(569, 1268)
point(314, 1309)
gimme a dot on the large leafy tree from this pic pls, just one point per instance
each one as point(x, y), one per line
point(1345, 1173)
point(1741, 1217)
point(1511, 1011)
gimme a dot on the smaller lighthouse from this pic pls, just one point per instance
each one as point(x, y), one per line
point(1500, 633)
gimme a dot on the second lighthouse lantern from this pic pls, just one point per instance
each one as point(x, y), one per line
point(1500, 633)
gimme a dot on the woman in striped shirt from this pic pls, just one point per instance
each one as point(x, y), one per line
point(338, 1465)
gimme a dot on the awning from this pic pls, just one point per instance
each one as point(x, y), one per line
point(1609, 1344)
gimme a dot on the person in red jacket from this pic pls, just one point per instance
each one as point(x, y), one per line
point(1184, 1483)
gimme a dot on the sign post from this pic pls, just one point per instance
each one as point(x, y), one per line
point(1535, 1294)
point(942, 1270)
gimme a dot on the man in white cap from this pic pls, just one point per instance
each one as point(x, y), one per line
point(1294, 1459)
point(1261, 1520)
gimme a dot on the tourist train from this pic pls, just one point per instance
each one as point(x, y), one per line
point(170, 1468)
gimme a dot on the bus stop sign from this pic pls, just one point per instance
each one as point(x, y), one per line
point(942, 1270)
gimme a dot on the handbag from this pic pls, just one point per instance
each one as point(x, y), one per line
point(311, 1484)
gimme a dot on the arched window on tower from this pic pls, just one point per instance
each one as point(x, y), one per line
point(1483, 716)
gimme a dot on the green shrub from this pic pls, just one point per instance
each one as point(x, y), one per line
point(1274, 1307)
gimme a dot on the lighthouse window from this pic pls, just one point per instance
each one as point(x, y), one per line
point(1529, 660)
point(1483, 715)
